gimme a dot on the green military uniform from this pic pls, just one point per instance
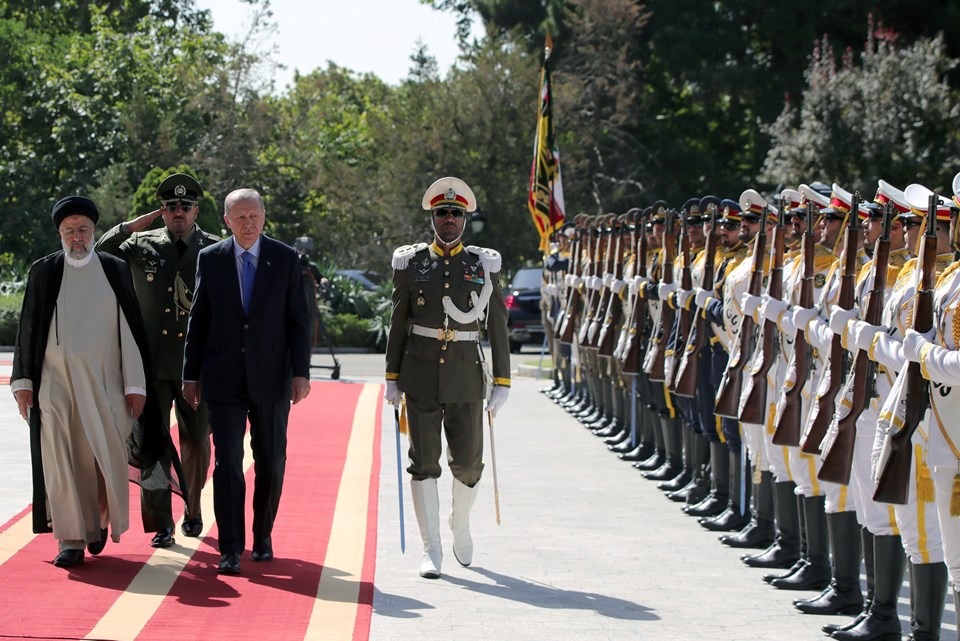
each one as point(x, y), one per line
point(442, 295)
point(164, 281)
point(441, 374)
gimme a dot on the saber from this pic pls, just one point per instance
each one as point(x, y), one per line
point(396, 422)
point(493, 462)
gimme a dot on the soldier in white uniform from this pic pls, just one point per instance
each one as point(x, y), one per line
point(882, 545)
point(923, 535)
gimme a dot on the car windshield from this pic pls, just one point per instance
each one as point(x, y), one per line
point(527, 278)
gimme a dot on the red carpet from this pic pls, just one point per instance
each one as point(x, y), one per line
point(320, 585)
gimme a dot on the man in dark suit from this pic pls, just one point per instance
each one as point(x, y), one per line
point(248, 351)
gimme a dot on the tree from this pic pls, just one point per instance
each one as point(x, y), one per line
point(889, 117)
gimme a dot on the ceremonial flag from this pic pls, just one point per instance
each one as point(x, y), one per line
point(545, 196)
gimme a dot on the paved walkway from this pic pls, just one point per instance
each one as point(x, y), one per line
point(587, 548)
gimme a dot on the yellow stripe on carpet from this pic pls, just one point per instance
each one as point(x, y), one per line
point(16, 537)
point(335, 610)
point(145, 594)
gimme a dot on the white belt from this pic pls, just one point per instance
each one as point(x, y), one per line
point(446, 335)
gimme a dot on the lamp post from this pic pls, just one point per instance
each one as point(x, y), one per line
point(478, 220)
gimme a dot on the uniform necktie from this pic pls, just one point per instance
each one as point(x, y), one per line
point(181, 247)
point(247, 273)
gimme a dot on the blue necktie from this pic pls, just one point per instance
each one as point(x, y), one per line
point(247, 273)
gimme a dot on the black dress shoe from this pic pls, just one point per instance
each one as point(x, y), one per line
point(623, 436)
point(709, 507)
point(624, 446)
point(229, 563)
point(829, 628)
point(163, 538)
point(793, 569)
point(832, 601)
point(262, 553)
point(751, 536)
point(191, 527)
point(665, 472)
point(730, 520)
point(807, 577)
point(653, 462)
point(69, 558)
point(773, 557)
point(678, 482)
point(96, 547)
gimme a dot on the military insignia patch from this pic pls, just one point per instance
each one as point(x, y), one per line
point(819, 281)
point(474, 276)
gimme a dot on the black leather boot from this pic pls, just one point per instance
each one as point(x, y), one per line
point(869, 562)
point(814, 573)
point(785, 550)
point(670, 469)
point(759, 533)
point(733, 518)
point(719, 495)
point(624, 446)
point(929, 596)
point(880, 623)
point(640, 453)
point(843, 595)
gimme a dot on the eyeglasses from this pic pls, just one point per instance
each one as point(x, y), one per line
point(82, 230)
point(443, 213)
point(184, 205)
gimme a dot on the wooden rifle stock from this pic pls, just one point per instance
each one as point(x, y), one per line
point(893, 484)
point(565, 325)
point(638, 318)
point(728, 396)
point(754, 408)
point(686, 316)
point(661, 335)
point(686, 378)
point(600, 300)
point(838, 460)
point(614, 309)
point(825, 403)
point(789, 427)
point(595, 256)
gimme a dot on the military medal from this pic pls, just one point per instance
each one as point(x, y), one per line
point(421, 301)
point(149, 278)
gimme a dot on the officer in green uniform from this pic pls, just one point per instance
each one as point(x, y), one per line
point(164, 264)
point(443, 294)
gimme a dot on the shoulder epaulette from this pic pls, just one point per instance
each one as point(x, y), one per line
point(489, 257)
point(402, 255)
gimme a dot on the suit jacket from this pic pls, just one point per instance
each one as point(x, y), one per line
point(267, 346)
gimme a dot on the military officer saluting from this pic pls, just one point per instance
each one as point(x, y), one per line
point(443, 294)
point(164, 263)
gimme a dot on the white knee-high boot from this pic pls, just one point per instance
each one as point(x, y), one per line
point(463, 498)
point(426, 505)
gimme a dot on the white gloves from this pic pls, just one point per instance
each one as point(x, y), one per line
point(617, 285)
point(802, 317)
point(772, 309)
point(701, 296)
point(864, 333)
point(392, 394)
point(497, 398)
point(839, 318)
point(665, 289)
point(683, 297)
point(913, 341)
point(749, 303)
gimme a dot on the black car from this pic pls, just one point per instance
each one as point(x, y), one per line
point(522, 298)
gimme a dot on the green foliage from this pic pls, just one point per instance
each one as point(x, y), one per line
point(348, 330)
point(888, 117)
point(10, 304)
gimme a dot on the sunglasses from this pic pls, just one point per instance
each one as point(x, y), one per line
point(911, 223)
point(730, 226)
point(184, 205)
point(443, 213)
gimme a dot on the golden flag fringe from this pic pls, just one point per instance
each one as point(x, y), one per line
point(545, 194)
